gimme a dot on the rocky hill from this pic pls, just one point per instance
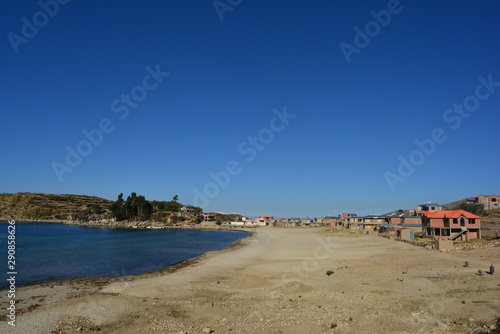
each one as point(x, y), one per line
point(452, 205)
point(38, 206)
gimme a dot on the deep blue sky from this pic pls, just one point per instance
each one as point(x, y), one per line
point(352, 120)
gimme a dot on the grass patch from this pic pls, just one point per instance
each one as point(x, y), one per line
point(381, 292)
point(467, 291)
point(480, 302)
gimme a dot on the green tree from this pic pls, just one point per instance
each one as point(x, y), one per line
point(173, 206)
point(475, 208)
point(144, 208)
point(160, 205)
point(129, 207)
point(134, 208)
point(117, 209)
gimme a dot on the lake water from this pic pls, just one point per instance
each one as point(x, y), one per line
point(50, 251)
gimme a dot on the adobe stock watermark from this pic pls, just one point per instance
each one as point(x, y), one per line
point(440, 308)
point(373, 28)
point(323, 250)
point(121, 107)
point(222, 6)
point(30, 28)
point(11, 272)
point(453, 116)
point(248, 148)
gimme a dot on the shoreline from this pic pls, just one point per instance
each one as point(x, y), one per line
point(168, 269)
point(60, 290)
point(276, 282)
point(127, 225)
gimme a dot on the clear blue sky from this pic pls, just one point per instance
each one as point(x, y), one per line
point(348, 122)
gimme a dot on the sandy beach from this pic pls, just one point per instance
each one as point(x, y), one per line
point(276, 282)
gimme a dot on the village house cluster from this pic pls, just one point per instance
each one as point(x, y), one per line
point(489, 202)
point(427, 220)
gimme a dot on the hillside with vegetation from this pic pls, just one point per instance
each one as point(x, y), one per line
point(80, 208)
point(227, 217)
point(475, 208)
point(38, 206)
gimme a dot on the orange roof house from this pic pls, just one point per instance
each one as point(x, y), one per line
point(451, 224)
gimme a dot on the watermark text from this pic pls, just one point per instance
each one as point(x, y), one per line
point(427, 146)
point(11, 272)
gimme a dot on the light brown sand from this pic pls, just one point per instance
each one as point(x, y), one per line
point(277, 283)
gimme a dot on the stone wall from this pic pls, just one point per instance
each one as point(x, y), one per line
point(430, 244)
point(477, 245)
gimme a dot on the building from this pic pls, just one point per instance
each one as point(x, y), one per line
point(406, 221)
point(421, 208)
point(264, 220)
point(406, 233)
point(372, 223)
point(244, 221)
point(305, 222)
point(281, 222)
point(353, 223)
point(237, 223)
point(429, 207)
point(451, 224)
point(332, 221)
point(209, 217)
point(424, 207)
point(187, 211)
point(347, 219)
point(397, 223)
point(320, 221)
point(489, 202)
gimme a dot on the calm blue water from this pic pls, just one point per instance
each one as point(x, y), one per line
point(49, 251)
